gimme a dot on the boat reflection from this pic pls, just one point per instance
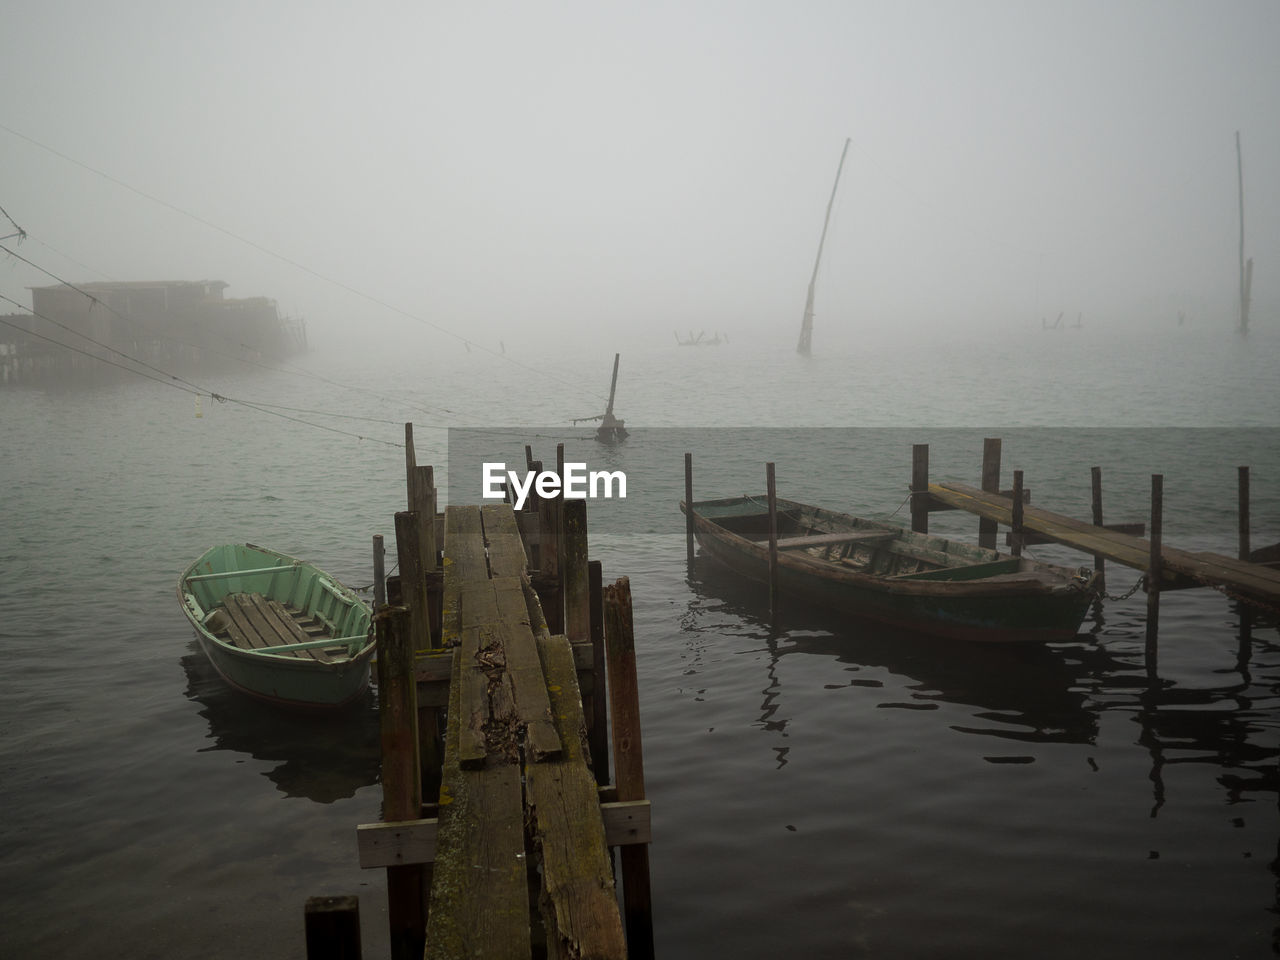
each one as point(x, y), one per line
point(323, 758)
point(1035, 694)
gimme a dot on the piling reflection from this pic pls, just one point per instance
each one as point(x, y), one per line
point(321, 757)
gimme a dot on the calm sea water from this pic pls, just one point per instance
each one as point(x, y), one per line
point(826, 790)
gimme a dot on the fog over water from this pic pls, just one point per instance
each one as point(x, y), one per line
point(505, 170)
point(475, 206)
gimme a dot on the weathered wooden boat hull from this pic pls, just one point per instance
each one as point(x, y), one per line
point(1040, 603)
point(319, 661)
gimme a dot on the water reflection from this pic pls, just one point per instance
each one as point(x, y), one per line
point(1034, 694)
point(319, 756)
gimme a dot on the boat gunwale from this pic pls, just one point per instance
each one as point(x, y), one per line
point(338, 664)
point(1032, 584)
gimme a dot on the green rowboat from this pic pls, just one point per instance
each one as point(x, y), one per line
point(277, 628)
point(886, 573)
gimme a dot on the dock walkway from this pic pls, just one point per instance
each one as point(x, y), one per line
point(1178, 568)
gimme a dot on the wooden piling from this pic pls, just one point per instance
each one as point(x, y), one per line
point(628, 762)
point(987, 529)
point(920, 487)
point(773, 542)
point(598, 729)
point(688, 505)
point(1099, 562)
point(379, 573)
point(401, 775)
point(333, 928)
point(1242, 485)
point(1015, 540)
point(1153, 570)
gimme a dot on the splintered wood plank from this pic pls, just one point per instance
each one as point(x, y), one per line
point(506, 548)
point(578, 902)
point(479, 896)
point(464, 562)
point(533, 708)
point(477, 617)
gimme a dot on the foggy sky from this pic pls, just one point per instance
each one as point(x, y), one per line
point(496, 168)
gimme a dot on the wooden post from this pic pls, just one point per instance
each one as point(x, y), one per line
point(773, 542)
point(987, 529)
point(413, 588)
point(401, 776)
point(549, 559)
point(920, 487)
point(1242, 479)
point(688, 505)
point(422, 501)
point(333, 928)
point(1015, 539)
point(598, 735)
point(1099, 562)
point(577, 598)
point(628, 763)
point(379, 573)
point(1153, 571)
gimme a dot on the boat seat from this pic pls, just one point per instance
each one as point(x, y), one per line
point(829, 539)
point(257, 621)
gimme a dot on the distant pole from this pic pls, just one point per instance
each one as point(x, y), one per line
point(806, 325)
point(613, 385)
point(773, 543)
point(1244, 292)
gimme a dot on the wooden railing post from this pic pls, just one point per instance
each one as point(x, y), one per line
point(407, 886)
point(628, 761)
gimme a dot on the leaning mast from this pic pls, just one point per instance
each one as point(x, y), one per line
point(806, 326)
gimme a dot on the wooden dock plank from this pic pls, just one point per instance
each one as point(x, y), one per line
point(464, 561)
point(578, 901)
point(533, 706)
point(479, 892)
point(502, 535)
point(1238, 577)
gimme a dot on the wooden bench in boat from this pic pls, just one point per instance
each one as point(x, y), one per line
point(830, 539)
point(255, 622)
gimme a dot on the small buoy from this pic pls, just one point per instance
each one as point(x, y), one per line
point(199, 411)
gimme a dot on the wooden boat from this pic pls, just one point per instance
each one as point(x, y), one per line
point(880, 571)
point(277, 628)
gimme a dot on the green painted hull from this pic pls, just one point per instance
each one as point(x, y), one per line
point(893, 576)
point(284, 678)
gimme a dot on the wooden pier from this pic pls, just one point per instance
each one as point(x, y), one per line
point(1252, 576)
point(1178, 568)
point(499, 844)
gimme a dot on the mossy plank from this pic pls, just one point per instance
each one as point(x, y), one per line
point(578, 902)
point(479, 895)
